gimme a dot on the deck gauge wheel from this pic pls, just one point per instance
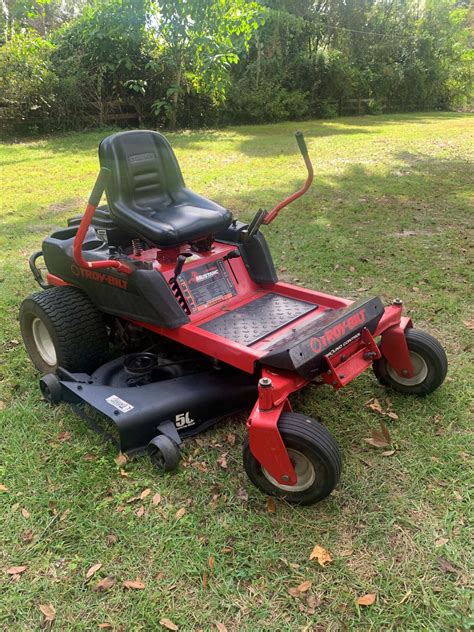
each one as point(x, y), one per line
point(164, 453)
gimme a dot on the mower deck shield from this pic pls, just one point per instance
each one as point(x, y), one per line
point(189, 403)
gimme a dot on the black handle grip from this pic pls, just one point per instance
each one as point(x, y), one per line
point(301, 143)
point(99, 186)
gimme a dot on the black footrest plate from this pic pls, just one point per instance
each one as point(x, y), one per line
point(253, 321)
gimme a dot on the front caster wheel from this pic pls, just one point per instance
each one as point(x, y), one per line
point(314, 454)
point(429, 362)
point(163, 453)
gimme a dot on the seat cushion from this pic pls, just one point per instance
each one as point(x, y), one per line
point(147, 195)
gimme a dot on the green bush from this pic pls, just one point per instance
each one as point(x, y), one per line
point(267, 102)
point(27, 82)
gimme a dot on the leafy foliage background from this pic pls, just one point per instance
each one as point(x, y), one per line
point(191, 63)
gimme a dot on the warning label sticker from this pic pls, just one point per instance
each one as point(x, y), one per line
point(119, 404)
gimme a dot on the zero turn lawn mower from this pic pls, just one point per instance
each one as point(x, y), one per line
point(161, 314)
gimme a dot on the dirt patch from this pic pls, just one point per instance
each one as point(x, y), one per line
point(71, 205)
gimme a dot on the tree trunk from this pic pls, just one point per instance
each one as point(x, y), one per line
point(175, 97)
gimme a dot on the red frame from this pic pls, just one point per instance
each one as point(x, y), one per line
point(265, 440)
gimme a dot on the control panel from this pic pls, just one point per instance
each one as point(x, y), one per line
point(206, 285)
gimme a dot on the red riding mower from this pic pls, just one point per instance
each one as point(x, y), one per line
point(163, 314)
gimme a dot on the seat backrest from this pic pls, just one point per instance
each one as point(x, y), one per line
point(144, 169)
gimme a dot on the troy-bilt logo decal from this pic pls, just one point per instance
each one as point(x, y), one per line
point(100, 277)
point(320, 343)
point(197, 278)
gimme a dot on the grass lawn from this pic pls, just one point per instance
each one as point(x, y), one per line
point(389, 213)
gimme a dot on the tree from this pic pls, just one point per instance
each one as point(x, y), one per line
point(199, 40)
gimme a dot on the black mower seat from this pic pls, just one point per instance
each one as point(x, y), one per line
point(147, 195)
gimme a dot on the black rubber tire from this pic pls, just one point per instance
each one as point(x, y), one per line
point(316, 443)
point(164, 453)
point(51, 388)
point(75, 325)
point(432, 353)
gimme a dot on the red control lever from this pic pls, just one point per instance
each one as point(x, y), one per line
point(304, 151)
point(94, 199)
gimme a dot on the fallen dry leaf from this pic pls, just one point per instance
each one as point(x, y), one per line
point(140, 511)
point(111, 539)
point(271, 505)
point(134, 584)
point(121, 459)
point(388, 452)
point(93, 569)
point(222, 460)
point(156, 500)
point(441, 542)
point(105, 584)
point(27, 536)
point(304, 586)
point(25, 513)
point(48, 611)
point(385, 432)
point(221, 627)
point(204, 580)
point(376, 406)
point(104, 626)
point(321, 555)
point(366, 600)
point(230, 440)
point(469, 324)
point(392, 415)
point(3, 488)
point(212, 561)
point(16, 570)
point(64, 436)
point(180, 513)
point(88, 457)
point(378, 439)
point(446, 566)
point(145, 493)
point(167, 623)
point(64, 515)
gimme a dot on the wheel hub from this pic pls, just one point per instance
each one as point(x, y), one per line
point(304, 470)
point(420, 371)
point(43, 341)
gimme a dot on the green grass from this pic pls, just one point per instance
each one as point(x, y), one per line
point(389, 213)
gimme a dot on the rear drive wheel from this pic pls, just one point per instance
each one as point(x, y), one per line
point(164, 453)
point(429, 362)
point(62, 327)
point(314, 454)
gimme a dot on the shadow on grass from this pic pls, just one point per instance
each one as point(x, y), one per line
point(356, 189)
point(255, 140)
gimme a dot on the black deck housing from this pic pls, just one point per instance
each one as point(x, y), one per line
point(177, 407)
